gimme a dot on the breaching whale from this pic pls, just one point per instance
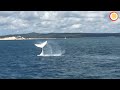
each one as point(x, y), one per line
point(41, 45)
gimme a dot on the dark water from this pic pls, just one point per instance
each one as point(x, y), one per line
point(84, 58)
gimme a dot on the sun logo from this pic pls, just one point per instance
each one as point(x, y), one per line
point(113, 16)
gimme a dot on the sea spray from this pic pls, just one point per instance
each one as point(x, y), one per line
point(51, 49)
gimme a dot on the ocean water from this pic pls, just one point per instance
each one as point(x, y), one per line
point(74, 58)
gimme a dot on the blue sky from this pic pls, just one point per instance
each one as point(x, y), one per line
point(15, 22)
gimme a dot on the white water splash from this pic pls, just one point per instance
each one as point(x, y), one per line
point(50, 49)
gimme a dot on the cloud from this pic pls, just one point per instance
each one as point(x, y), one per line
point(57, 21)
point(75, 26)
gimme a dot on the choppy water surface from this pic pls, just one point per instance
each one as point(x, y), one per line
point(79, 58)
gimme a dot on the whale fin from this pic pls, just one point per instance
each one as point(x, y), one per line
point(41, 45)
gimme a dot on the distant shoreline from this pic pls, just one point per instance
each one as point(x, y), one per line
point(31, 36)
point(15, 38)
